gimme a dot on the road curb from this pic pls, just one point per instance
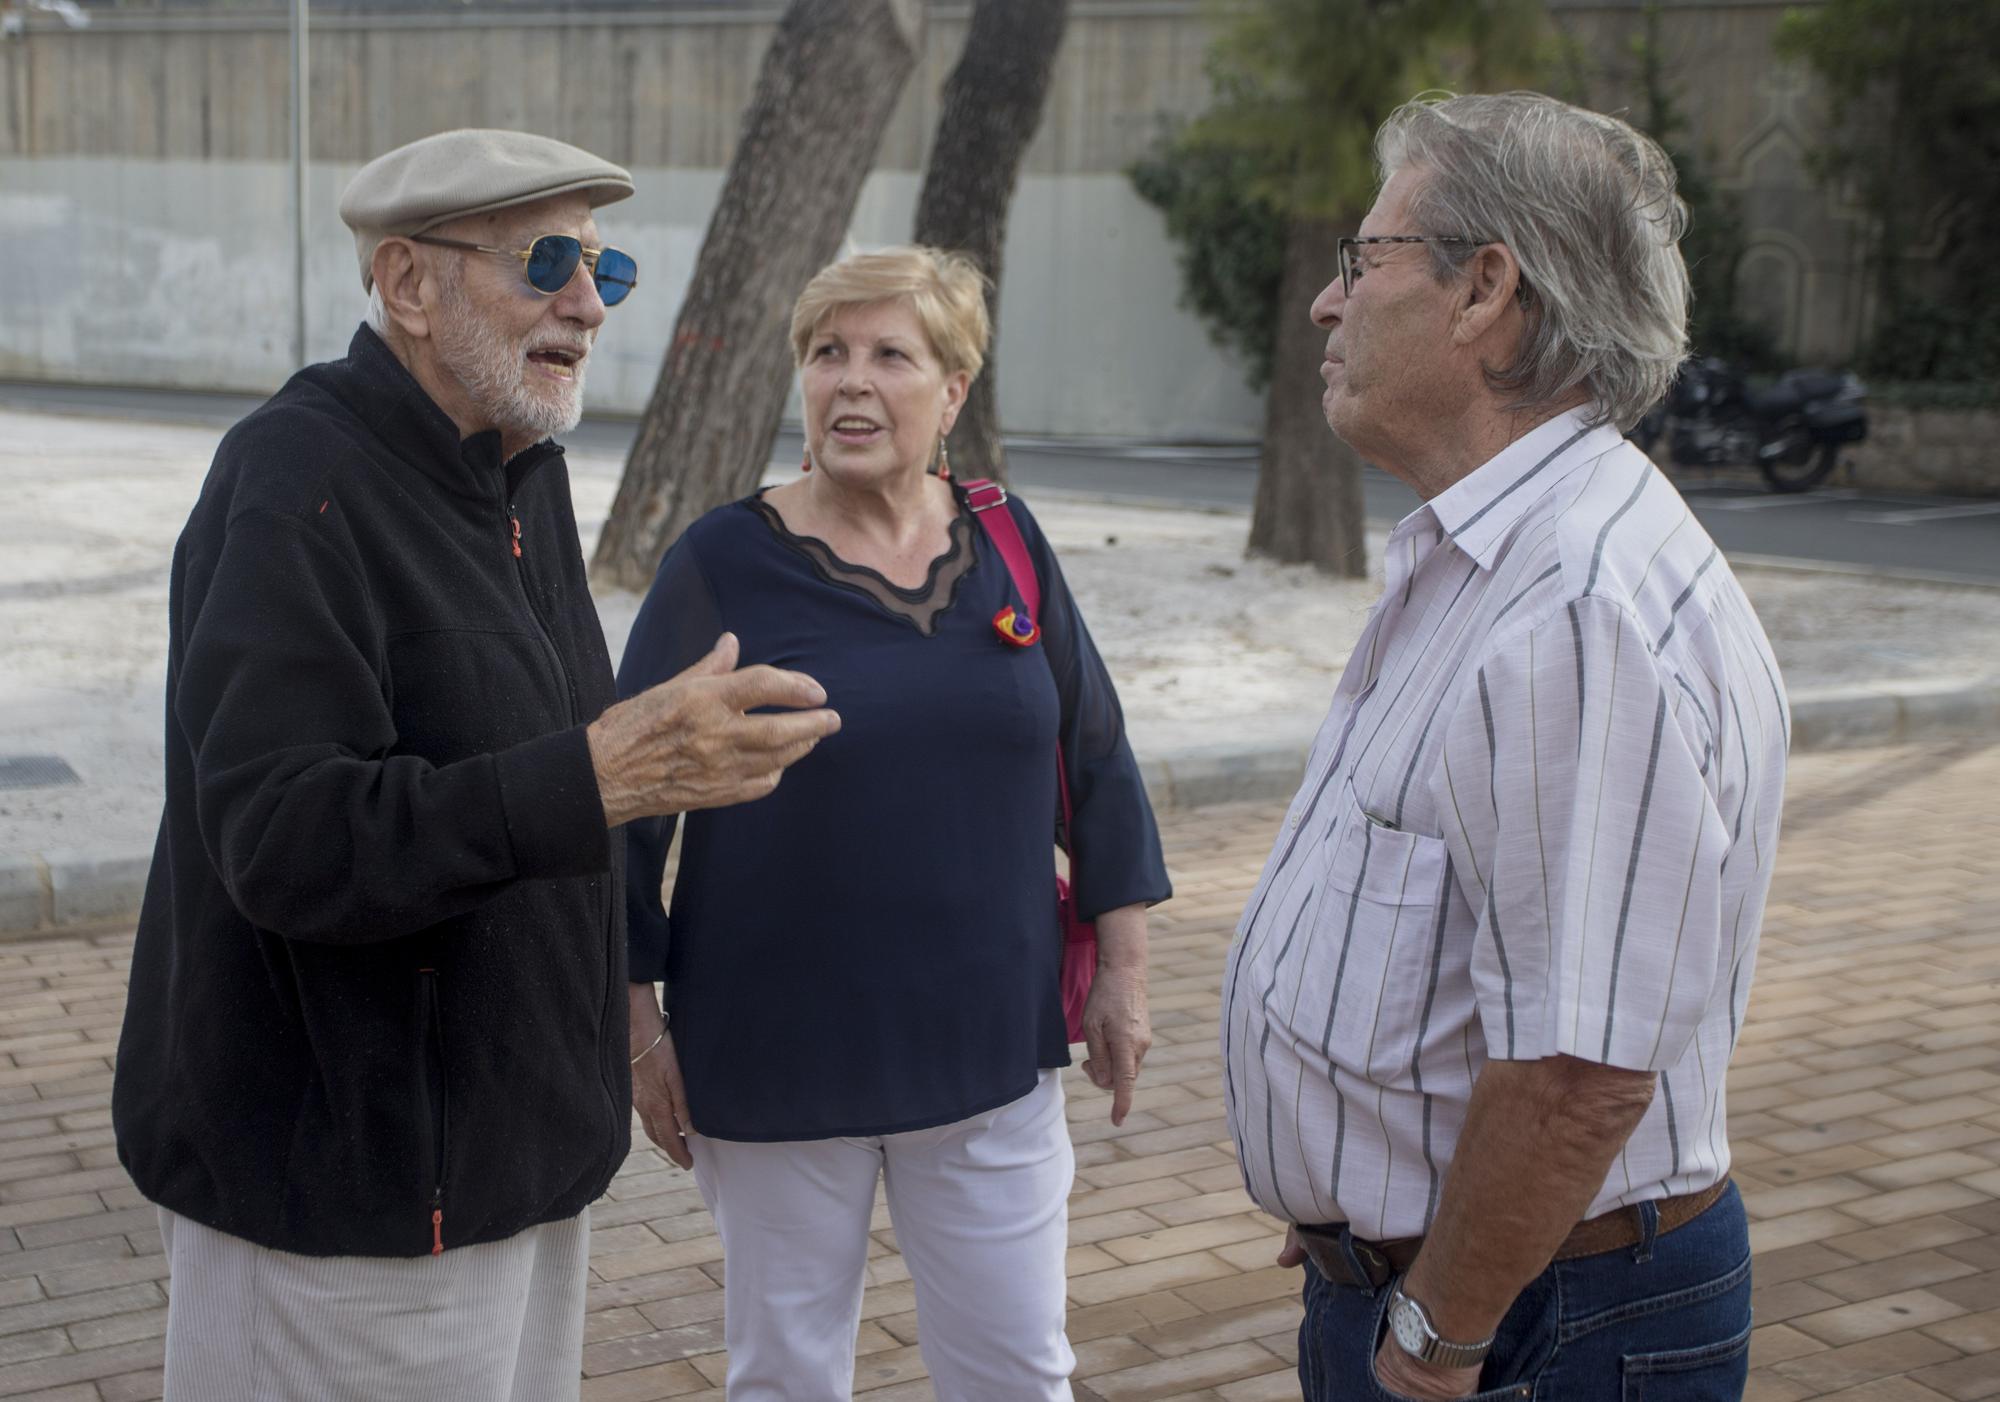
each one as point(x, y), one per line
point(1198, 777)
point(70, 889)
point(1875, 713)
point(1823, 718)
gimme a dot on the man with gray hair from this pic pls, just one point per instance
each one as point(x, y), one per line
point(1479, 1010)
point(375, 1061)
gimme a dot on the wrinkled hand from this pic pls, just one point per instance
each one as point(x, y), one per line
point(1398, 1373)
point(1291, 1254)
point(1404, 1376)
point(657, 1093)
point(688, 742)
point(1117, 1032)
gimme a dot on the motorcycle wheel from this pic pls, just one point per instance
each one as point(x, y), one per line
point(1812, 467)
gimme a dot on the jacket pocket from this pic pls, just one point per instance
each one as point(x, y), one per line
point(437, 1096)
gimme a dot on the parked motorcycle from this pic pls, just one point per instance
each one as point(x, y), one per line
point(1791, 432)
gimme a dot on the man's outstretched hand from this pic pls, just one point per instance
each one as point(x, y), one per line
point(690, 742)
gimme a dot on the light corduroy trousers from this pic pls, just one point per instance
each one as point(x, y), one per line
point(499, 1322)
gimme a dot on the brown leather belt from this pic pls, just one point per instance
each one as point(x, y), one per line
point(1382, 1261)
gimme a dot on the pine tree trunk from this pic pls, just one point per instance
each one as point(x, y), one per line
point(1309, 482)
point(992, 105)
point(829, 82)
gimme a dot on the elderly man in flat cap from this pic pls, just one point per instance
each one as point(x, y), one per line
point(375, 1062)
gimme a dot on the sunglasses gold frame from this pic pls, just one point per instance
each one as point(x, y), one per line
point(587, 262)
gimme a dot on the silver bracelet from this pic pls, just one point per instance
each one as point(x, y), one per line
point(654, 1043)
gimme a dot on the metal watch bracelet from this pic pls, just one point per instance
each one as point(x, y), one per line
point(1411, 1325)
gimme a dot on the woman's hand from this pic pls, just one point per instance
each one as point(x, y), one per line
point(657, 1093)
point(1117, 1029)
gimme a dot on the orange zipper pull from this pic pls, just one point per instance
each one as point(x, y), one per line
point(516, 522)
point(437, 1231)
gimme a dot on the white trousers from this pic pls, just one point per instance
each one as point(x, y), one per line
point(981, 1211)
point(501, 1322)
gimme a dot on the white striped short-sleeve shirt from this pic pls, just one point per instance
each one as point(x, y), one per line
point(1539, 819)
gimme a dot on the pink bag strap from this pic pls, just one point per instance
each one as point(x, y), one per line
point(988, 500)
point(984, 496)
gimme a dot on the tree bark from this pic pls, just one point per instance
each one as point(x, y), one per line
point(1308, 507)
point(828, 85)
point(992, 106)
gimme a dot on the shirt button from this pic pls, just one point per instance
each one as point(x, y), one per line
point(1295, 822)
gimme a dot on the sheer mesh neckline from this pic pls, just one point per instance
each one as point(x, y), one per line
point(922, 606)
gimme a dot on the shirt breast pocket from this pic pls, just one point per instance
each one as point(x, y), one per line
point(1383, 911)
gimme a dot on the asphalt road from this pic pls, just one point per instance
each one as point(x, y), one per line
point(1951, 539)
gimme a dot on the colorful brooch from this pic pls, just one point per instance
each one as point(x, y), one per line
point(1016, 628)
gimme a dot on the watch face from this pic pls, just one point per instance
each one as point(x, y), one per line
point(1407, 1323)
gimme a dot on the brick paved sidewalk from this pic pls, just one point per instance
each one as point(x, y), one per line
point(1866, 1099)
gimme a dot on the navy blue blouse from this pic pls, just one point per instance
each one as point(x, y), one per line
point(874, 947)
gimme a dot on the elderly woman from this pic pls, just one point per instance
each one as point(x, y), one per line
point(862, 969)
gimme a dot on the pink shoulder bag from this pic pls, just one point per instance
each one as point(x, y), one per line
point(1079, 956)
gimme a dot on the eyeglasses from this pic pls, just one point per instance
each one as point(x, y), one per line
point(551, 261)
point(1351, 267)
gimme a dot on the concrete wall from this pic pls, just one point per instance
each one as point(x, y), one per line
point(179, 273)
point(142, 176)
point(142, 173)
point(1753, 122)
point(1928, 450)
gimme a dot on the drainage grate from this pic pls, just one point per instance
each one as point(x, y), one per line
point(35, 772)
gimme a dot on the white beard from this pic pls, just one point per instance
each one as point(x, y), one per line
point(493, 368)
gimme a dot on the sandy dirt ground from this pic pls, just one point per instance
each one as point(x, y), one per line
point(1208, 648)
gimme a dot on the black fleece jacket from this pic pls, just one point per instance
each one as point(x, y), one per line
point(378, 991)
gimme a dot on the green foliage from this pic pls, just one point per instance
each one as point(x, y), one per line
point(1916, 137)
point(1231, 242)
point(1936, 394)
point(1713, 245)
point(1300, 88)
point(1921, 339)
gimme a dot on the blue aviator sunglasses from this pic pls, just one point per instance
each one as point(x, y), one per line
point(551, 261)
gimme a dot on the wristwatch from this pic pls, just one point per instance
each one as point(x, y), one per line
point(1416, 1337)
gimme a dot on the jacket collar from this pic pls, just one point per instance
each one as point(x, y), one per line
point(1482, 509)
point(380, 389)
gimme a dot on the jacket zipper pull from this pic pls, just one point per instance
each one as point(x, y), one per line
point(437, 1223)
point(515, 522)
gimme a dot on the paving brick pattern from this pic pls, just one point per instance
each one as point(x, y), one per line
point(1866, 1121)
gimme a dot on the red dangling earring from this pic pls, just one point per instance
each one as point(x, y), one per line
point(806, 463)
point(944, 461)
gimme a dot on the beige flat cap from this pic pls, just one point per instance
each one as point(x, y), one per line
point(469, 171)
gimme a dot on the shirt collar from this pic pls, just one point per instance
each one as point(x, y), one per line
point(1480, 510)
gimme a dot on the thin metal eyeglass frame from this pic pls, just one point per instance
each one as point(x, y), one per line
point(1345, 248)
point(587, 258)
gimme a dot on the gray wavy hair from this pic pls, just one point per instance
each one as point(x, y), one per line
point(1587, 205)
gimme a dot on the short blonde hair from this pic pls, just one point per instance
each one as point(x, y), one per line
point(945, 290)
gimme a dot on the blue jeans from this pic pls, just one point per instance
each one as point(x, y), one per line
point(1665, 1321)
